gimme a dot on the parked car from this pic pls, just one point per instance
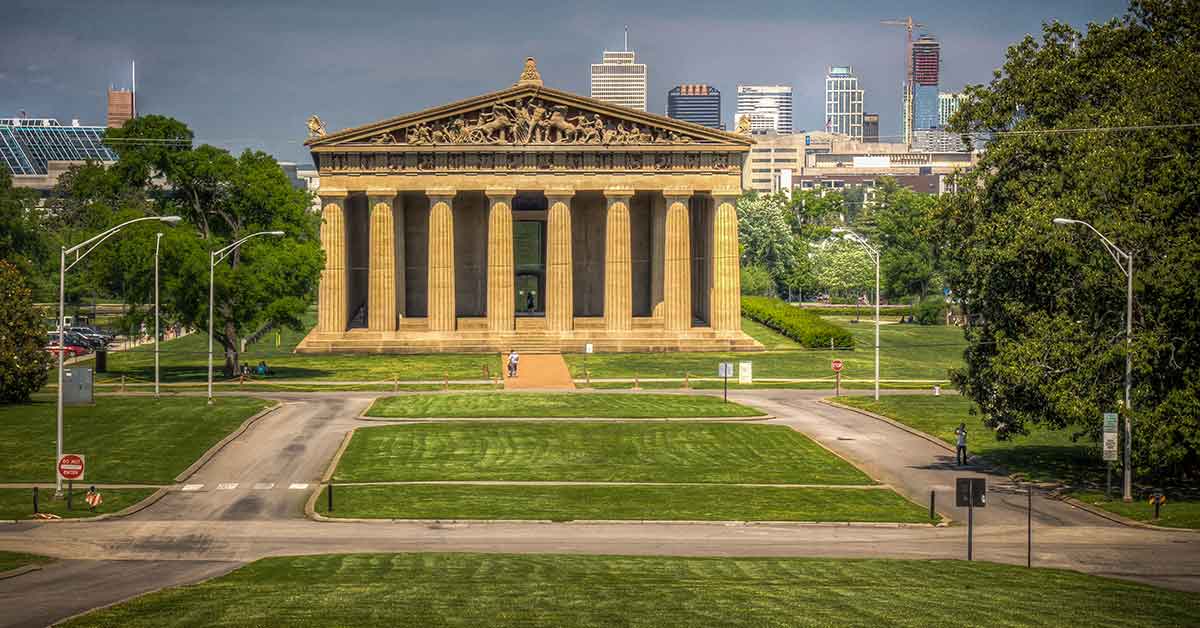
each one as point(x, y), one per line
point(82, 345)
point(100, 340)
point(70, 350)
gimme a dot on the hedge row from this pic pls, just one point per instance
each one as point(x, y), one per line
point(867, 311)
point(800, 325)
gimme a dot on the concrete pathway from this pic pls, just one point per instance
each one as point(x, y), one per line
point(539, 371)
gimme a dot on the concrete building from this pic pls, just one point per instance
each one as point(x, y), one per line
point(698, 104)
point(617, 79)
point(769, 108)
point(871, 128)
point(843, 102)
point(37, 151)
point(528, 218)
point(828, 161)
point(121, 107)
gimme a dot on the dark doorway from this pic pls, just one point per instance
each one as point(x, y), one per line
point(529, 251)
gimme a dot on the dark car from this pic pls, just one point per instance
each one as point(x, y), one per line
point(73, 346)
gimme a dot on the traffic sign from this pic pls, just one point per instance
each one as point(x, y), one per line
point(970, 492)
point(837, 366)
point(725, 369)
point(70, 467)
point(1110, 436)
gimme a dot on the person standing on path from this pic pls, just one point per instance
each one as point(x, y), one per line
point(961, 450)
point(513, 358)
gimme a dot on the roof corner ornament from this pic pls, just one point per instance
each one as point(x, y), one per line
point(316, 128)
point(530, 75)
point(743, 125)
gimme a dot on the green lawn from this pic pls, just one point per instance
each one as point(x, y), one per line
point(907, 352)
point(631, 502)
point(17, 503)
point(471, 590)
point(124, 439)
point(557, 405)
point(612, 452)
point(1042, 456)
point(12, 560)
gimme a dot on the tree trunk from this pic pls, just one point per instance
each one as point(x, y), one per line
point(231, 350)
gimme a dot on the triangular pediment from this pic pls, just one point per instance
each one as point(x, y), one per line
point(531, 115)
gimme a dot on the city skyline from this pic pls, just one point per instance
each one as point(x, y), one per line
point(370, 67)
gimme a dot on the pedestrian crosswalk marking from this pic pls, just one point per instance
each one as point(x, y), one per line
point(227, 486)
point(297, 486)
point(264, 486)
point(191, 487)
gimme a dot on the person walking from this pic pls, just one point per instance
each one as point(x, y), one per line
point(961, 450)
point(513, 358)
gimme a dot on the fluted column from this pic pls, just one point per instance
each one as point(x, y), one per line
point(332, 299)
point(381, 290)
point(658, 228)
point(442, 316)
point(401, 282)
point(677, 262)
point(560, 281)
point(618, 287)
point(726, 301)
point(500, 282)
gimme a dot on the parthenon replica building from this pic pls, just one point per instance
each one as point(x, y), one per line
point(531, 219)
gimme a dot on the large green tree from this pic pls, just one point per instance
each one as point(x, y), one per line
point(765, 234)
point(1099, 126)
point(24, 362)
point(904, 228)
point(22, 241)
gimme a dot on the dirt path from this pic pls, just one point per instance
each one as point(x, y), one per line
point(539, 371)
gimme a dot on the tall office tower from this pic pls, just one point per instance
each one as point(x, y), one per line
point(122, 103)
point(871, 128)
point(700, 104)
point(843, 102)
point(769, 107)
point(618, 80)
point(926, 59)
point(948, 104)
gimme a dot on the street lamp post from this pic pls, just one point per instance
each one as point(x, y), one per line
point(1126, 267)
point(157, 240)
point(216, 257)
point(91, 244)
point(874, 253)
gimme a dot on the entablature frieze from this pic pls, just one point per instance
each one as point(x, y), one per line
point(526, 160)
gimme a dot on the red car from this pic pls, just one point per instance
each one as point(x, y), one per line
point(70, 350)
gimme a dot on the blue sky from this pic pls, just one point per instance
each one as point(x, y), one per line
point(248, 74)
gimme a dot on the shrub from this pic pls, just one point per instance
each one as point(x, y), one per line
point(757, 281)
point(24, 363)
point(800, 325)
point(931, 311)
point(864, 311)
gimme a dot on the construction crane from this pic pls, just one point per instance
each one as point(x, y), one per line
point(908, 25)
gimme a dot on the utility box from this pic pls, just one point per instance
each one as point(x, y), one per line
point(77, 386)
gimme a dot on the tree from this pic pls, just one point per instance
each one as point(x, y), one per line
point(24, 363)
point(757, 281)
point(843, 267)
point(765, 234)
point(1045, 305)
point(904, 222)
point(21, 241)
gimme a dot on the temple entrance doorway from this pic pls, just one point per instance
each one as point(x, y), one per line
point(529, 251)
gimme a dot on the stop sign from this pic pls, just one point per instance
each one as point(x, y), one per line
point(837, 366)
point(70, 467)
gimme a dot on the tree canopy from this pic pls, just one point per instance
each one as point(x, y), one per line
point(1102, 127)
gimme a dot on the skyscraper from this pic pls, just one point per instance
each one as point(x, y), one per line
point(843, 102)
point(871, 128)
point(948, 104)
point(769, 107)
point(122, 103)
point(926, 58)
point(619, 80)
point(695, 103)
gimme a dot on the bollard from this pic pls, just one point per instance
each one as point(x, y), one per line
point(122, 383)
point(330, 497)
point(395, 383)
point(35, 498)
point(636, 384)
point(588, 375)
point(932, 501)
point(241, 380)
point(446, 380)
point(937, 390)
point(687, 383)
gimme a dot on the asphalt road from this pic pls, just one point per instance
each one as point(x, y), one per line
point(247, 503)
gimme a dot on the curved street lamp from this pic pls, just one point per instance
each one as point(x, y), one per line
point(216, 257)
point(91, 244)
point(1125, 263)
point(850, 235)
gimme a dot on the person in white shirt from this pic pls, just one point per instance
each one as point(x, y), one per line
point(961, 450)
point(513, 358)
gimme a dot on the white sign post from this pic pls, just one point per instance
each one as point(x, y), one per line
point(1110, 446)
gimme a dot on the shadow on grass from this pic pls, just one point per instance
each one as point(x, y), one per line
point(1069, 464)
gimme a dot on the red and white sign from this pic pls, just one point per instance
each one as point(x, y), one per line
point(70, 467)
point(837, 366)
point(93, 499)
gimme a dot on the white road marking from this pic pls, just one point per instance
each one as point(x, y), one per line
point(264, 486)
point(227, 486)
point(191, 487)
point(297, 487)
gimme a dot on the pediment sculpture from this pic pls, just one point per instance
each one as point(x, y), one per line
point(531, 120)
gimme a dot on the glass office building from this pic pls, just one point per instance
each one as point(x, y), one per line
point(700, 104)
point(27, 146)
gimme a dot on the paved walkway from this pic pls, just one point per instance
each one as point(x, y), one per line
point(539, 371)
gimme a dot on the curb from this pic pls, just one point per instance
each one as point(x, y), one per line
point(212, 451)
point(19, 571)
point(589, 522)
point(310, 505)
point(725, 419)
point(1114, 517)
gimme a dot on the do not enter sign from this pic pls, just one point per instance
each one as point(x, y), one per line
point(837, 366)
point(70, 467)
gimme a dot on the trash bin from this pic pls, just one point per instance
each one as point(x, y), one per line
point(102, 361)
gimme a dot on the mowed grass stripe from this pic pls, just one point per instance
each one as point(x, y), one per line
point(557, 405)
point(403, 590)
point(607, 452)
point(633, 502)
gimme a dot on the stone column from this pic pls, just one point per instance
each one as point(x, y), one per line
point(726, 301)
point(618, 284)
point(381, 282)
point(332, 299)
point(560, 281)
point(500, 277)
point(658, 229)
point(677, 262)
point(442, 316)
point(401, 263)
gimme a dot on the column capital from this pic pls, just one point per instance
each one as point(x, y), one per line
point(387, 193)
point(677, 193)
point(499, 193)
point(616, 194)
point(332, 193)
point(563, 193)
point(446, 193)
